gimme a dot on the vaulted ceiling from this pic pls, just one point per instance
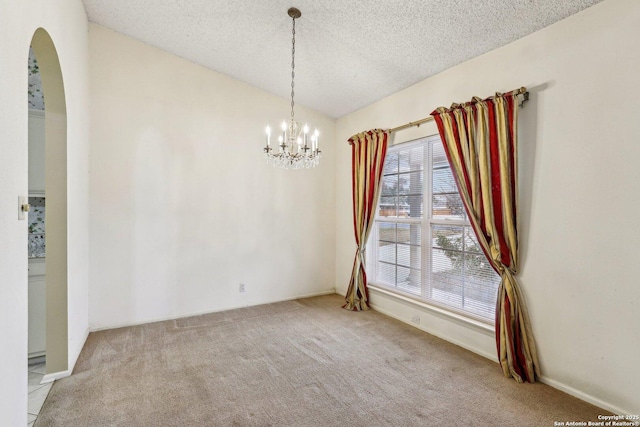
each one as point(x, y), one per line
point(349, 54)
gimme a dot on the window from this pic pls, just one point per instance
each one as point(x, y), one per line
point(422, 244)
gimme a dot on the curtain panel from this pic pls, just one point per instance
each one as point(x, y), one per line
point(368, 150)
point(480, 140)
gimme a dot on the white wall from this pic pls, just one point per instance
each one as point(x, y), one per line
point(66, 22)
point(183, 206)
point(579, 186)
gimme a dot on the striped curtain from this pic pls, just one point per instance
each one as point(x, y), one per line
point(480, 139)
point(368, 150)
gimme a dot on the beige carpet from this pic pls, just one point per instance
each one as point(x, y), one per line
point(296, 363)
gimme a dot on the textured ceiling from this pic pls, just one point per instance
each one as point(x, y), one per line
point(349, 54)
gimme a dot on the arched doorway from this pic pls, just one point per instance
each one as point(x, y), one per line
point(56, 203)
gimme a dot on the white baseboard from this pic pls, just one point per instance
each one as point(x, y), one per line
point(584, 396)
point(49, 378)
point(36, 355)
point(182, 316)
point(311, 295)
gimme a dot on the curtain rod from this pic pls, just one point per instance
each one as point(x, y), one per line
point(521, 91)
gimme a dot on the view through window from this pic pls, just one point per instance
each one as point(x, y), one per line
point(422, 243)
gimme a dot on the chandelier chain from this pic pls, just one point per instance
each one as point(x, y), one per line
point(293, 62)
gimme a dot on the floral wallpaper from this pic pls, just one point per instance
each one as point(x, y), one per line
point(36, 98)
point(36, 228)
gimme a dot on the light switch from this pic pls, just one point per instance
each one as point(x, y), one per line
point(23, 207)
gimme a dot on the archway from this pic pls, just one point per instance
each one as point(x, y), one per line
point(56, 203)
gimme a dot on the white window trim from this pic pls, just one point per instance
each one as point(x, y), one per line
point(421, 300)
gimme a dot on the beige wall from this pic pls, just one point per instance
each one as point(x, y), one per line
point(184, 207)
point(66, 22)
point(579, 182)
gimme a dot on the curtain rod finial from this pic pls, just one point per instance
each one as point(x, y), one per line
point(525, 98)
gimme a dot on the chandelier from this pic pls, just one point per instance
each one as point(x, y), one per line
point(297, 149)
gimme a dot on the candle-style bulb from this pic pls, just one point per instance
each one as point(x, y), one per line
point(305, 129)
point(268, 131)
point(284, 126)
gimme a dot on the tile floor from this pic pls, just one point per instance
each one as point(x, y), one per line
point(37, 392)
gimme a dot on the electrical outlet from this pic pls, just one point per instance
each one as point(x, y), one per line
point(241, 288)
point(416, 319)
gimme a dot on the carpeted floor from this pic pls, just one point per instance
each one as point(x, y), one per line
point(296, 363)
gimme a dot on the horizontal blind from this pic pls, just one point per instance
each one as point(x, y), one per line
point(431, 255)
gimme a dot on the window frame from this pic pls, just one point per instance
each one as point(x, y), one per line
point(426, 222)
